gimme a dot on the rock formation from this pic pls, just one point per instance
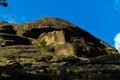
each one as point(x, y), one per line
point(8, 36)
point(64, 37)
point(67, 52)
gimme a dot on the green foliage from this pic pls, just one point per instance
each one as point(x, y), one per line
point(44, 48)
point(43, 43)
point(3, 3)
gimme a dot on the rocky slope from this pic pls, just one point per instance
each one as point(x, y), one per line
point(64, 37)
point(54, 49)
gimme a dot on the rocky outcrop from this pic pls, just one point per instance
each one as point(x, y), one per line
point(8, 36)
point(64, 38)
point(54, 49)
point(32, 65)
point(6, 28)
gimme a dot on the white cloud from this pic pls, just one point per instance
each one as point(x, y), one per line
point(117, 42)
point(117, 5)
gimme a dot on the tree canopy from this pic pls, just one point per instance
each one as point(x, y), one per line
point(3, 3)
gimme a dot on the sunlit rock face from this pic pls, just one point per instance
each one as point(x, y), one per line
point(71, 54)
point(64, 37)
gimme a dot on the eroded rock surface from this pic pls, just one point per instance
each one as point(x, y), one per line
point(8, 36)
point(74, 54)
point(64, 37)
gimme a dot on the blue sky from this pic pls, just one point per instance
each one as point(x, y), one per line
point(99, 17)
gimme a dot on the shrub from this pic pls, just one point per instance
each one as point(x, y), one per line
point(44, 48)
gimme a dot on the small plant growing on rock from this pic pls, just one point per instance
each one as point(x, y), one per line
point(44, 48)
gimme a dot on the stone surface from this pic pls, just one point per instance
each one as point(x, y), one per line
point(64, 37)
point(9, 39)
point(8, 36)
point(73, 53)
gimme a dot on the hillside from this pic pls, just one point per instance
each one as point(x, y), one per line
point(54, 49)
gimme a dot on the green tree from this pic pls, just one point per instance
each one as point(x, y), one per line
point(3, 3)
point(44, 48)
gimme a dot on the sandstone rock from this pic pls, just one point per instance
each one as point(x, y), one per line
point(64, 38)
point(9, 39)
point(106, 59)
point(60, 58)
point(74, 53)
point(8, 36)
point(7, 28)
point(43, 58)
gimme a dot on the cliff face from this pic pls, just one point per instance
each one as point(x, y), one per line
point(64, 37)
point(67, 52)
